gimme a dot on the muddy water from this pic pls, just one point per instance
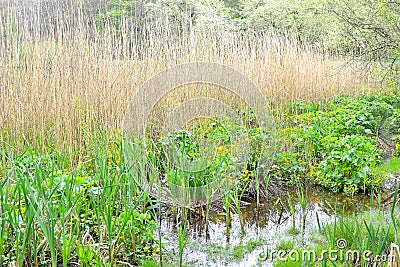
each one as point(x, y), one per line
point(264, 228)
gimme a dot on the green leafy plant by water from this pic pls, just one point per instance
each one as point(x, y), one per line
point(348, 164)
point(337, 145)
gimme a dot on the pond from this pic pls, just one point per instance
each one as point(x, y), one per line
point(266, 227)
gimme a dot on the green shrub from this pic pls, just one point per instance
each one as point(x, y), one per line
point(303, 140)
point(221, 149)
point(347, 165)
point(356, 116)
point(183, 145)
point(288, 168)
point(338, 139)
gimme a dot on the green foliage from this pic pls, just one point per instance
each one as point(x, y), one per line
point(293, 231)
point(311, 21)
point(368, 232)
point(397, 146)
point(302, 107)
point(355, 116)
point(238, 251)
point(210, 149)
point(377, 23)
point(181, 241)
point(183, 146)
point(85, 254)
point(116, 12)
point(59, 209)
point(137, 16)
point(150, 264)
point(136, 231)
point(393, 124)
point(328, 25)
point(285, 245)
point(289, 168)
point(339, 143)
point(348, 164)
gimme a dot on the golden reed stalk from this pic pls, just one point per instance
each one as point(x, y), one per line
point(60, 80)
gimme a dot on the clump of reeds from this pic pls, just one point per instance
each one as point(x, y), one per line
point(65, 74)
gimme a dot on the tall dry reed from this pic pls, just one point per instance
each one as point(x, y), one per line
point(61, 76)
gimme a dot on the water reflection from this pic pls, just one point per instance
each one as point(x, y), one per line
point(269, 223)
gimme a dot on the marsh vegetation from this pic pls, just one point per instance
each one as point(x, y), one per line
point(70, 196)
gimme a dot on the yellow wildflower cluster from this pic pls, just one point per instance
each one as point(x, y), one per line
point(222, 149)
point(397, 150)
point(350, 188)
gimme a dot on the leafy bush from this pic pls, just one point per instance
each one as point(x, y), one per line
point(303, 140)
point(182, 146)
point(391, 99)
point(392, 125)
point(289, 168)
point(340, 140)
point(356, 116)
point(348, 164)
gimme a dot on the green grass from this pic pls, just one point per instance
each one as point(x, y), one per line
point(392, 166)
point(293, 231)
point(285, 245)
point(240, 250)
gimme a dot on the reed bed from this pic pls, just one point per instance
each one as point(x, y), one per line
point(65, 76)
point(66, 81)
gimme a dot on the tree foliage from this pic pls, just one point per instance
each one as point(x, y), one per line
point(378, 23)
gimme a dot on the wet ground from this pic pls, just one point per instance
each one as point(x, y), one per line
point(265, 227)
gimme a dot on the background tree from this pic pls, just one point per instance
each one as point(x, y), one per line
point(378, 24)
